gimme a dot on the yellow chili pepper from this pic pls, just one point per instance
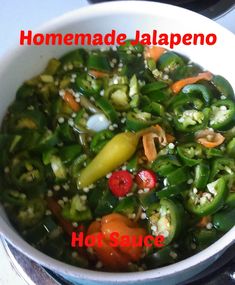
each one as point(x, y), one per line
point(118, 150)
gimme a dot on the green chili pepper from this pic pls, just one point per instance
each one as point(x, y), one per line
point(134, 92)
point(118, 96)
point(201, 205)
point(13, 197)
point(98, 61)
point(152, 87)
point(132, 164)
point(160, 258)
point(195, 90)
point(224, 220)
point(77, 165)
point(70, 152)
point(26, 174)
point(172, 190)
point(222, 166)
point(76, 57)
point(230, 201)
point(52, 66)
point(178, 176)
point(203, 238)
point(39, 233)
point(140, 120)
point(202, 174)
point(169, 61)
point(147, 200)
point(168, 219)
point(28, 120)
point(155, 109)
point(223, 86)
point(185, 71)
point(191, 120)
point(230, 148)
point(31, 213)
point(190, 153)
point(100, 139)
point(127, 206)
point(77, 210)
point(24, 92)
point(223, 114)
point(107, 108)
point(88, 86)
point(165, 164)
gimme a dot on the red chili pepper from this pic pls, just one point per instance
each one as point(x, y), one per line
point(146, 179)
point(120, 183)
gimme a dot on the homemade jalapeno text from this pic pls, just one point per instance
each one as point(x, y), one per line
point(114, 38)
point(120, 159)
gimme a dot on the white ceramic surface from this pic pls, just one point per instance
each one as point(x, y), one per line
point(24, 62)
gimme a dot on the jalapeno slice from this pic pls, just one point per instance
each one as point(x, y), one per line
point(222, 115)
point(207, 203)
point(27, 174)
point(167, 219)
point(190, 153)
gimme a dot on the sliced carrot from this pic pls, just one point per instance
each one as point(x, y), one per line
point(178, 85)
point(97, 74)
point(153, 52)
point(204, 221)
point(161, 134)
point(70, 100)
point(209, 139)
point(170, 138)
point(149, 146)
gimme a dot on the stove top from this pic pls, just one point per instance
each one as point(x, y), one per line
point(220, 272)
point(209, 8)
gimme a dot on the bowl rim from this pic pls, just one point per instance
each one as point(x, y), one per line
point(146, 7)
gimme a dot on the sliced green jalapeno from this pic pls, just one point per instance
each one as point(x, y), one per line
point(76, 57)
point(98, 61)
point(107, 108)
point(207, 203)
point(167, 219)
point(224, 220)
point(139, 121)
point(202, 174)
point(165, 164)
point(27, 173)
point(230, 201)
point(195, 90)
point(223, 86)
point(222, 166)
point(222, 115)
point(169, 61)
point(230, 148)
point(31, 213)
point(100, 139)
point(190, 153)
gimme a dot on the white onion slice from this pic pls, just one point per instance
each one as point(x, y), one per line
point(98, 122)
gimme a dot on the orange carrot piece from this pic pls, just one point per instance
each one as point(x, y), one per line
point(149, 146)
point(178, 85)
point(97, 74)
point(204, 221)
point(170, 138)
point(70, 100)
point(209, 139)
point(153, 52)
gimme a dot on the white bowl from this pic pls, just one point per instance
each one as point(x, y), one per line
point(126, 17)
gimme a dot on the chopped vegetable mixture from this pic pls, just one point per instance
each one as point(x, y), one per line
point(134, 140)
